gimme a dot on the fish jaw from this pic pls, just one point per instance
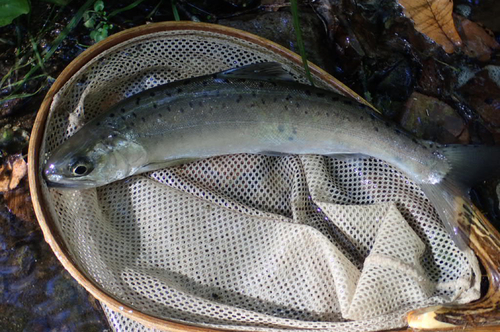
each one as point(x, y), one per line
point(107, 158)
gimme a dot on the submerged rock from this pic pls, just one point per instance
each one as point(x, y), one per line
point(432, 119)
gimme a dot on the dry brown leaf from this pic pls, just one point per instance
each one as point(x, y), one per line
point(434, 19)
point(478, 43)
point(19, 202)
point(12, 172)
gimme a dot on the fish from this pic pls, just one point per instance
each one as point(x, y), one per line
point(259, 109)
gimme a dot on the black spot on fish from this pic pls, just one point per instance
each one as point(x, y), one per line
point(138, 101)
point(168, 94)
point(143, 119)
point(204, 83)
point(123, 110)
point(286, 107)
point(263, 101)
point(179, 90)
point(376, 129)
point(134, 115)
point(112, 115)
point(214, 76)
point(240, 97)
point(98, 124)
point(154, 105)
point(152, 94)
point(361, 118)
point(387, 124)
point(414, 140)
point(200, 103)
point(242, 80)
point(159, 115)
point(275, 99)
point(132, 124)
point(186, 82)
point(123, 118)
point(181, 110)
point(297, 105)
point(281, 128)
point(261, 84)
point(288, 97)
point(254, 94)
point(273, 83)
point(224, 105)
point(307, 92)
point(346, 102)
point(334, 98)
point(290, 138)
point(306, 112)
point(320, 94)
point(169, 109)
point(191, 104)
point(397, 131)
point(294, 130)
point(252, 105)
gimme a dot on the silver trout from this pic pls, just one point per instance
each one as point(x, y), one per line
point(253, 109)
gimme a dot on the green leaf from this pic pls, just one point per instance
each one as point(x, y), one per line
point(99, 6)
point(10, 9)
point(90, 23)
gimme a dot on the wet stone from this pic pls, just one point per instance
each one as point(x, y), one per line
point(278, 27)
point(432, 119)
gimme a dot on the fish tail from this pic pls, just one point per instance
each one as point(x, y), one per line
point(469, 165)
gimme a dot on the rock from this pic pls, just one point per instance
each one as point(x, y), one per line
point(432, 119)
point(498, 195)
point(278, 27)
point(483, 95)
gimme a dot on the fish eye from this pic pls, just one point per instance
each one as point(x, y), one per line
point(81, 167)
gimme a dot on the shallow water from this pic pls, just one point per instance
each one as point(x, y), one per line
point(36, 293)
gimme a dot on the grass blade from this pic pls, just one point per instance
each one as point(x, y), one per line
point(174, 10)
point(300, 41)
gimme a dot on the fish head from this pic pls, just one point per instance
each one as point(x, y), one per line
point(89, 159)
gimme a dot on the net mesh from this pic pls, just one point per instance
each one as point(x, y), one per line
point(248, 242)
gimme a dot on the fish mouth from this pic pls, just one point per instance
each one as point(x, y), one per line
point(58, 181)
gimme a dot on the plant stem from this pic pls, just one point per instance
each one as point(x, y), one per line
point(174, 10)
point(300, 41)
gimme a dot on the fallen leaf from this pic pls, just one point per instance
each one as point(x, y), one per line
point(434, 19)
point(19, 202)
point(12, 172)
point(477, 42)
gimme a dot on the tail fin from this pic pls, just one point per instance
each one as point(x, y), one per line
point(470, 164)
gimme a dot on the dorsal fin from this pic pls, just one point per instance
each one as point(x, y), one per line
point(265, 71)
